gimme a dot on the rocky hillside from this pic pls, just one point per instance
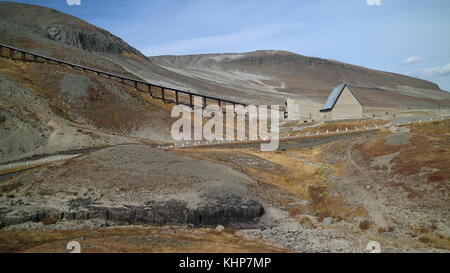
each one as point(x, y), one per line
point(96, 40)
point(50, 108)
point(21, 20)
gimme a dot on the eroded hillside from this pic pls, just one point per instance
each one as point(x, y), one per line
point(48, 108)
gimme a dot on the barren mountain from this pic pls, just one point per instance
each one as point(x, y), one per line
point(264, 76)
point(273, 75)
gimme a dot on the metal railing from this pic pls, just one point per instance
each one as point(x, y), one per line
point(135, 82)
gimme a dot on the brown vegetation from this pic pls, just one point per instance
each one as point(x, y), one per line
point(365, 225)
point(101, 108)
point(342, 126)
point(132, 239)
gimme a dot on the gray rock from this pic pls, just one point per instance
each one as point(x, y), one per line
point(328, 221)
point(220, 228)
point(224, 210)
point(90, 39)
point(148, 202)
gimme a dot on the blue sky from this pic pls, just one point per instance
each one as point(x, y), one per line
point(403, 36)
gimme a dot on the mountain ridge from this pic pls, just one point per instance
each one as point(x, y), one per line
point(295, 75)
point(265, 53)
point(258, 77)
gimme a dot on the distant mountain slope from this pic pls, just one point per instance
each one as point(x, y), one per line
point(280, 74)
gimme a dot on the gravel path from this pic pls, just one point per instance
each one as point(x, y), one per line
point(37, 161)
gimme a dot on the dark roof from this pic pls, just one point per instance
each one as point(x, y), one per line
point(334, 96)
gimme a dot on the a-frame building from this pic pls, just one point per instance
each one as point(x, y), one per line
point(342, 103)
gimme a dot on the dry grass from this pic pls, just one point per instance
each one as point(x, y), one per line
point(427, 235)
point(431, 128)
point(302, 180)
point(434, 241)
point(423, 159)
point(48, 221)
point(375, 148)
point(432, 142)
point(22, 168)
point(132, 239)
point(101, 108)
point(10, 187)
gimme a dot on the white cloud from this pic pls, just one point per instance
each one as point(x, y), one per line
point(73, 2)
point(412, 60)
point(216, 43)
point(437, 71)
point(374, 2)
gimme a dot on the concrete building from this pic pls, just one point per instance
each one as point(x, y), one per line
point(342, 103)
point(302, 110)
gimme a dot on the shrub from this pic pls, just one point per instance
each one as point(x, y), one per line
point(364, 225)
point(48, 221)
point(424, 240)
point(434, 178)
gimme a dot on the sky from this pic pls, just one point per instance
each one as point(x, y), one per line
point(410, 37)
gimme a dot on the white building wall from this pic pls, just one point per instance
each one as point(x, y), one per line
point(347, 106)
point(298, 109)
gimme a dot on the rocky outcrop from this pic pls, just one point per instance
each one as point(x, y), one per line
point(89, 39)
point(225, 211)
